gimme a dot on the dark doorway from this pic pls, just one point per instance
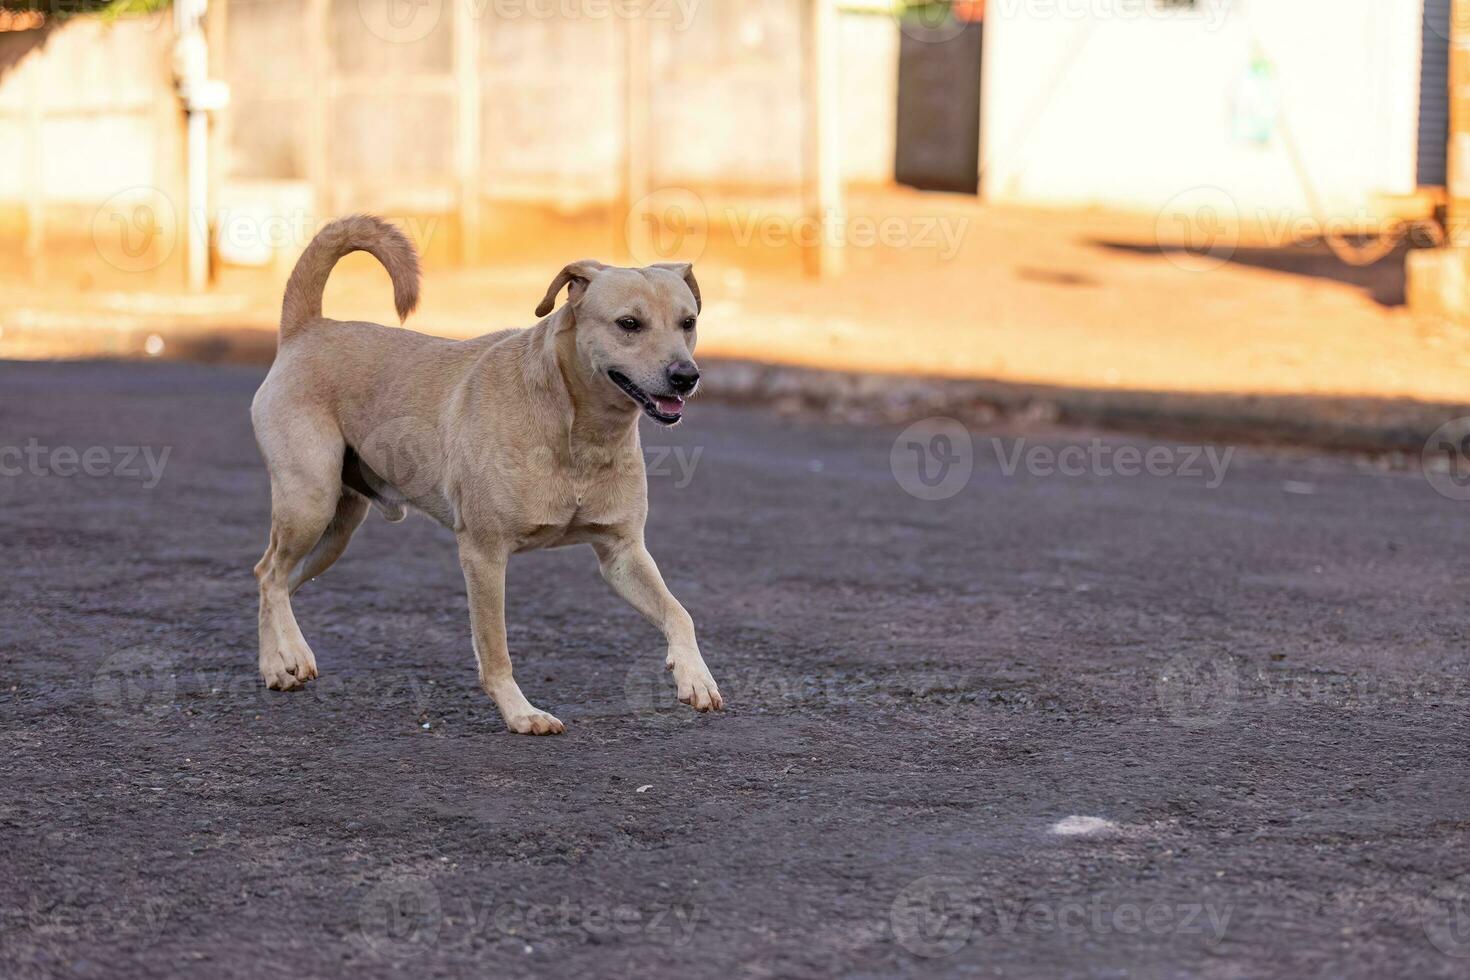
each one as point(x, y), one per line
point(938, 145)
point(1434, 94)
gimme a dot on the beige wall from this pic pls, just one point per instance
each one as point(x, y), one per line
point(334, 107)
point(725, 76)
point(89, 128)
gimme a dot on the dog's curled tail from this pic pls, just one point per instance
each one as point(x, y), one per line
point(358, 233)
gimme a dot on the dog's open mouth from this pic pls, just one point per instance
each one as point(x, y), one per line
point(663, 409)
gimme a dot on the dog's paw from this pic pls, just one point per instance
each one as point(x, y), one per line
point(535, 722)
point(696, 687)
point(286, 671)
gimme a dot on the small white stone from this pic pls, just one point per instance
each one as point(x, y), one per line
point(644, 788)
point(1075, 826)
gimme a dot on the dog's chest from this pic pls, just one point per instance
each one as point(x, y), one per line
point(573, 528)
point(572, 513)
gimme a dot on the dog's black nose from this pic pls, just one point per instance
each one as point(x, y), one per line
point(683, 376)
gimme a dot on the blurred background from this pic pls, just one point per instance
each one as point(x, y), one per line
point(1194, 196)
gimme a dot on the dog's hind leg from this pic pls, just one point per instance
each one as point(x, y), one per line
point(352, 507)
point(306, 488)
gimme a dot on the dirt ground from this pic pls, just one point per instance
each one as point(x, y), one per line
point(934, 285)
point(1245, 682)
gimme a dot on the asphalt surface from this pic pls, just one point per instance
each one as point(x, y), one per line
point(1258, 689)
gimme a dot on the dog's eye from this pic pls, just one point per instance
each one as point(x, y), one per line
point(628, 323)
point(688, 323)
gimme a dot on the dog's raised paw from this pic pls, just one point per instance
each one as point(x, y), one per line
point(697, 688)
point(285, 680)
point(287, 673)
point(535, 723)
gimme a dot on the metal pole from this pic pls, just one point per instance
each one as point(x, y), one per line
point(822, 167)
point(198, 222)
point(200, 96)
point(637, 161)
point(35, 243)
point(467, 130)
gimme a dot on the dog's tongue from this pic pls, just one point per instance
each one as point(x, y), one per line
point(669, 405)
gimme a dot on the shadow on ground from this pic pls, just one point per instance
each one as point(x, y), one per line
point(1383, 280)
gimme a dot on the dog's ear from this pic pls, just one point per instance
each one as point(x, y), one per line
point(685, 271)
point(575, 276)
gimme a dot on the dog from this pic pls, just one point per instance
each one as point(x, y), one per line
point(517, 440)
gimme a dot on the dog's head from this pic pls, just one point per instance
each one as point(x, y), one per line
point(636, 330)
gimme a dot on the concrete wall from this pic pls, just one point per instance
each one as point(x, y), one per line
point(1125, 104)
point(869, 61)
point(726, 79)
point(90, 146)
point(84, 99)
point(335, 107)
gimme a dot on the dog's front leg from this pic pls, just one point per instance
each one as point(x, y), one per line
point(629, 569)
point(484, 575)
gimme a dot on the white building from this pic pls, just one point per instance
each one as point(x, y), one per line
point(1296, 106)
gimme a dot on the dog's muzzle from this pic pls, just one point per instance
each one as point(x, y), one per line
point(663, 409)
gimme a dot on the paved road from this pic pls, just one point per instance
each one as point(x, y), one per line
point(1258, 691)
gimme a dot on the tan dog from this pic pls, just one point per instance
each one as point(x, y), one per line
point(517, 440)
